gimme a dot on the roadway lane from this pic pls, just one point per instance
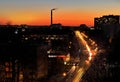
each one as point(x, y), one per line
point(86, 60)
point(89, 50)
point(82, 38)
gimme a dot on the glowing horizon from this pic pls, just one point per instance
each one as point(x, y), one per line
point(69, 12)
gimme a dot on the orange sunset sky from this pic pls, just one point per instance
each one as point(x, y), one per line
point(68, 12)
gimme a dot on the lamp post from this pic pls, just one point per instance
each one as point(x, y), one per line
point(52, 15)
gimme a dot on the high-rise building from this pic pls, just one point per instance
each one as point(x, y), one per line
point(109, 24)
point(106, 20)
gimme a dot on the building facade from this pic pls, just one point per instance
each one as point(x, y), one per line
point(109, 24)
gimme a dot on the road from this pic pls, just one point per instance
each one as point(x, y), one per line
point(89, 49)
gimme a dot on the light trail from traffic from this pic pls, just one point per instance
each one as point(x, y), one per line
point(78, 34)
point(81, 37)
point(76, 72)
point(72, 70)
point(79, 75)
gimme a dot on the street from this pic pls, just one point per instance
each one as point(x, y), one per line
point(77, 71)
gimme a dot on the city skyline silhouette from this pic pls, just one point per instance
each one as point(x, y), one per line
point(70, 13)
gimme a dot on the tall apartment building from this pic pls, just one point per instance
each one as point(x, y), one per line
point(109, 24)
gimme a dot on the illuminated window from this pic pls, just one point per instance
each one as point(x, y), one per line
point(21, 76)
point(8, 69)
point(8, 75)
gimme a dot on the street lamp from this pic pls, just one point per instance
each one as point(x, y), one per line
point(52, 15)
